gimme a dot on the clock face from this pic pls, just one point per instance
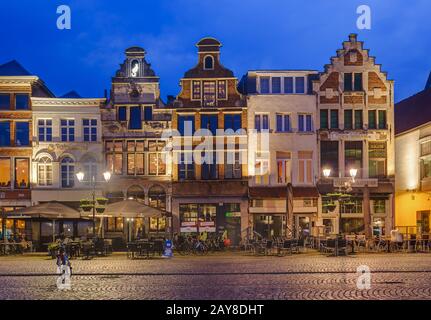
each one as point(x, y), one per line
point(134, 68)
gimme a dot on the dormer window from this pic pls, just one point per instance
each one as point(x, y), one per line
point(208, 63)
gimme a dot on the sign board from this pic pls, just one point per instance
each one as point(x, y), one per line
point(233, 214)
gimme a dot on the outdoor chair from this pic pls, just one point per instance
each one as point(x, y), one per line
point(268, 247)
point(158, 247)
point(259, 247)
point(88, 251)
point(286, 247)
point(132, 250)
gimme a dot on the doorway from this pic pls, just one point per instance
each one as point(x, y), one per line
point(423, 222)
point(302, 226)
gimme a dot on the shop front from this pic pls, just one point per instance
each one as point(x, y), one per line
point(217, 219)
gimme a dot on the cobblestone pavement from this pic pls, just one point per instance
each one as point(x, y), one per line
point(227, 276)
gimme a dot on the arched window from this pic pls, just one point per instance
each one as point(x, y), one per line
point(136, 192)
point(67, 173)
point(209, 63)
point(44, 169)
point(157, 197)
point(90, 170)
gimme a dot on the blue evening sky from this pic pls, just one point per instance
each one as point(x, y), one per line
point(256, 34)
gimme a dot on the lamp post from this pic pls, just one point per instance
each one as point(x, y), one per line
point(81, 175)
point(348, 185)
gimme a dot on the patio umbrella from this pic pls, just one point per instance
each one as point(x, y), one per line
point(51, 210)
point(132, 208)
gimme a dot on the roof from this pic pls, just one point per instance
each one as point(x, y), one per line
point(71, 95)
point(135, 50)
point(13, 68)
point(413, 112)
point(208, 41)
point(428, 84)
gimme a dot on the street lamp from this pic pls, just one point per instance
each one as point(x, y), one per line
point(81, 175)
point(353, 173)
point(326, 172)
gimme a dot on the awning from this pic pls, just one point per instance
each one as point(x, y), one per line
point(131, 209)
point(268, 192)
point(50, 210)
point(305, 192)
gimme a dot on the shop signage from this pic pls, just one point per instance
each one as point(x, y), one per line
point(232, 214)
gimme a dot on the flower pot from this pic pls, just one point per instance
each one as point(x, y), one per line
point(100, 209)
point(102, 201)
point(331, 207)
point(87, 208)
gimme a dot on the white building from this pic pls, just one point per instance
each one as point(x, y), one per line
point(67, 139)
point(282, 105)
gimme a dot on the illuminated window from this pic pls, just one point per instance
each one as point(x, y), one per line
point(5, 173)
point(156, 157)
point(22, 170)
point(209, 91)
point(135, 158)
point(196, 90)
point(222, 91)
point(114, 157)
point(67, 173)
point(44, 169)
point(305, 167)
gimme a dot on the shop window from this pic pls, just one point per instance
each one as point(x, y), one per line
point(157, 224)
point(352, 225)
point(22, 170)
point(114, 224)
point(5, 173)
point(329, 226)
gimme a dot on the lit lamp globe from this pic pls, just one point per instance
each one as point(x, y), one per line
point(326, 173)
point(107, 176)
point(80, 176)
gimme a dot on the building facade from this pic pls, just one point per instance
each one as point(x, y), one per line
point(281, 109)
point(413, 163)
point(209, 188)
point(67, 139)
point(17, 86)
point(134, 146)
point(356, 131)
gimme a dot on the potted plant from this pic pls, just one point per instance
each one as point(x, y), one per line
point(334, 196)
point(102, 201)
point(52, 249)
point(349, 205)
point(100, 209)
point(345, 197)
point(87, 207)
point(85, 202)
point(330, 206)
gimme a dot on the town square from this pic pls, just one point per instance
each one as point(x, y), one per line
point(207, 150)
